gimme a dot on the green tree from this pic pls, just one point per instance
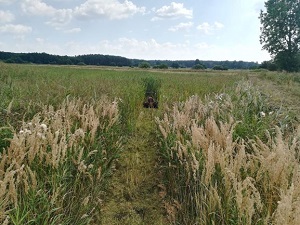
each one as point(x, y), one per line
point(280, 32)
point(199, 67)
point(269, 65)
point(144, 65)
point(163, 66)
point(197, 61)
point(175, 65)
point(219, 67)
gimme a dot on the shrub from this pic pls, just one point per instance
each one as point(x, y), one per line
point(175, 65)
point(199, 67)
point(161, 66)
point(144, 65)
point(219, 67)
point(81, 64)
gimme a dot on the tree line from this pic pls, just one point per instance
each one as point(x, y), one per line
point(109, 60)
point(44, 58)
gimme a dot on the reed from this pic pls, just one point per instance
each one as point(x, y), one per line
point(55, 168)
point(216, 174)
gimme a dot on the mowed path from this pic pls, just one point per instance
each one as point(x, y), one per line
point(286, 95)
point(133, 197)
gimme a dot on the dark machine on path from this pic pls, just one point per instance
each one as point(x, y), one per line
point(150, 101)
point(151, 87)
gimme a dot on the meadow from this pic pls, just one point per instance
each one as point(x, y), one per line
point(77, 146)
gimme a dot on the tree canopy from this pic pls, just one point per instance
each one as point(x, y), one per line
point(280, 32)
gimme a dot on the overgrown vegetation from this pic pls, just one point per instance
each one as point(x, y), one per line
point(223, 158)
point(58, 162)
point(230, 159)
point(152, 87)
point(60, 139)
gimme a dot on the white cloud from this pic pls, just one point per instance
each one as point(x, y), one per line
point(153, 49)
point(74, 30)
point(173, 11)
point(112, 9)
point(146, 49)
point(61, 18)
point(7, 1)
point(6, 16)
point(40, 40)
point(245, 52)
point(182, 26)
point(207, 28)
point(18, 29)
point(218, 25)
point(203, 45)
point(37, 7)
point(128, 47)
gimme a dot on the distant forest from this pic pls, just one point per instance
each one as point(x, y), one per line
point(109, 60)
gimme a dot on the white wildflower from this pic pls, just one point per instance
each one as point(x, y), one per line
point(27, 131)
point(90, 166)
point(79, 133)
point(41, 136)
point(220, 96)
point(44, 127)
point(262, 114)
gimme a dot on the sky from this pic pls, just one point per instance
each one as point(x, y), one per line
point(137, 29)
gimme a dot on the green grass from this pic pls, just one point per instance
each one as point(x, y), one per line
point(30, 87)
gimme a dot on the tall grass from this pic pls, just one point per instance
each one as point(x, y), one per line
point(30, 87)
point(55, 168)
point(61, 129)
point(218, 171)
point(151, 87)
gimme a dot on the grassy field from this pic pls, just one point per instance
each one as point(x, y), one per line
point(77, 146)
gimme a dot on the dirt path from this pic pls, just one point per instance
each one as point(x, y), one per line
point(134, 194)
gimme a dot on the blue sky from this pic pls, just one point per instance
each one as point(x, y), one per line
point(143, 29)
